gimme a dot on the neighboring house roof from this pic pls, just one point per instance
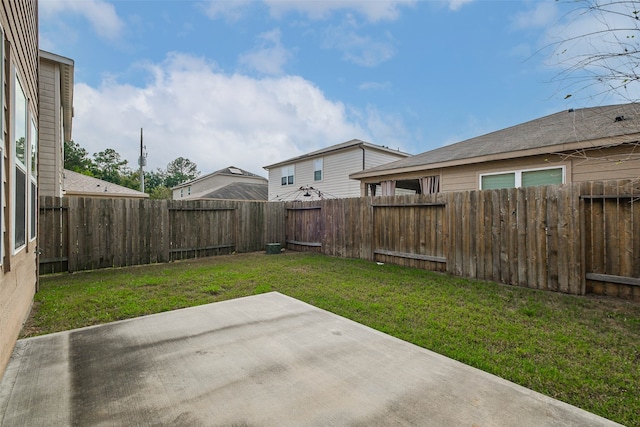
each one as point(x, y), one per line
point(240, 191)
point(231, 171)
point(77, 184)
point(66, 88)
point(566, 130)
point(337, 147)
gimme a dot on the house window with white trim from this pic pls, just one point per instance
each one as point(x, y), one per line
point(20, 163)
point(2, 194)
point(33, 194)
point(317, 169)
point(522, 178)
point(287, 175)
point(33, 213)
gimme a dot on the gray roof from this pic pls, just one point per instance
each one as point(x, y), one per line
point(549, 134)
point(231, 171)
point(336, 147)
point(240, 191)
point(77, 184)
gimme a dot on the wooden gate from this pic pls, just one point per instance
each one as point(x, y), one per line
point(612, 238)
point(201, 230)
point(304, 228)
point(410, 234)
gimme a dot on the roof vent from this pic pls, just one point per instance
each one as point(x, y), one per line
point(570, 110)
point(620, 118)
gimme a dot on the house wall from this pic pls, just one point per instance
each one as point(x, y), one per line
point(51, 151)
point(18, 271)
point(611, 163)
point(467, 177)
point(605, 164)
point(211, 183)
point(337, 166)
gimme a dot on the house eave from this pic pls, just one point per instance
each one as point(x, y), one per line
point(66, 88)
point(329, 150)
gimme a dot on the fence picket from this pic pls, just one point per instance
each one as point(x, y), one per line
point(567, 238)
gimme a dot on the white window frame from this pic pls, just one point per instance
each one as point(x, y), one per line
point(188, 190)
point(182, 192)
point(518, 174)
point(33, 180)
point(289, 173)
point(319, 162)
point(17, 164)
point(2, 118)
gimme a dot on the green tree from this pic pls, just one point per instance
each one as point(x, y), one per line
point(77, 158)
point(180, 170)
point(109, 166)
point(161, 193)
point(154, 179)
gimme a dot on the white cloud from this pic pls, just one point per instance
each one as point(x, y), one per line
point(269, 57)
point(230, 10)
point(541, 15)
point(102, 15)
point(190, 109)
point(457, 4)
point(374, 11)
point(358, 49)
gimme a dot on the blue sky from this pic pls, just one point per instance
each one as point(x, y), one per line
point(250, 83)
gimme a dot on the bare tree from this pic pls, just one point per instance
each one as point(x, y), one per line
point(598, 49)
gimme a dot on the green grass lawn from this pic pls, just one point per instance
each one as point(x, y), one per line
point(582, 350)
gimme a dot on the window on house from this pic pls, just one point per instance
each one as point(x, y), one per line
point(317, 170)
point(33, 218)
point(522, 178)
point(20, 162)
point(1, 138)
point(287, 175)
point(189, 190)
point(182, 192)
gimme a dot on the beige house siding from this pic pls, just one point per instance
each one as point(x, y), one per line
point(18, 272)
point(51, 148)
point(612, 163)
point(375, 158)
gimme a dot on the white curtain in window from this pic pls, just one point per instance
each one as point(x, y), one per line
point(388, 188)
point(430, 184)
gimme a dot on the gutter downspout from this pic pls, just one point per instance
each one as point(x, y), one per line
point(363, 165)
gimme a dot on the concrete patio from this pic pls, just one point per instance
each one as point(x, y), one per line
point(265, 360)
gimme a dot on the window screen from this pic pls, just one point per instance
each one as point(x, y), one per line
point(21, 208)
point(317, 170)
point(503, 180)
point(542, 177)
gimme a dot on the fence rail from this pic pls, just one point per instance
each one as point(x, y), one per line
point(576, 238)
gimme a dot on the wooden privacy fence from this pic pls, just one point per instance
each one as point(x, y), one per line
point(78, 233)
point(574, 238)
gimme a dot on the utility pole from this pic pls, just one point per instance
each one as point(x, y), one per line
point(142, 161)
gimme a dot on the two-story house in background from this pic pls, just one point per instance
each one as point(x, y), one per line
point(325, 173)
